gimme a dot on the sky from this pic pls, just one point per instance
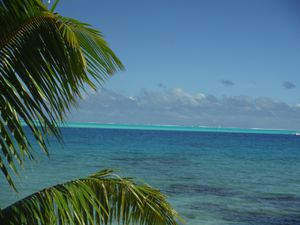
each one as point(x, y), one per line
point(213, 63)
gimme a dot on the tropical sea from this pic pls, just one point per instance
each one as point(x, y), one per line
point(214, 176)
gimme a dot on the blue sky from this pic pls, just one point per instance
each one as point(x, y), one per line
point(245, 50)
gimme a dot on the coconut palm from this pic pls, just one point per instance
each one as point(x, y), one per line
point(46, 62)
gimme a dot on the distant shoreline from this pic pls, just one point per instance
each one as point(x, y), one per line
point(178, 128)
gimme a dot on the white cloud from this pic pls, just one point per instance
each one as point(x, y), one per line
point(176, 106)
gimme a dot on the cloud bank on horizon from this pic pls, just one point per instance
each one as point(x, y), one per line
point(178, 107)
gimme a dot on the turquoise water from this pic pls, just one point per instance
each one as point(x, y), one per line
point(226, 177)
point(179, 128)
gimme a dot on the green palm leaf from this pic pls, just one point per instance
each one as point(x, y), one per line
point(45, 62)
point(101, 198)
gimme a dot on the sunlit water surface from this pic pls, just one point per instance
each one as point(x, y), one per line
point(210, 177)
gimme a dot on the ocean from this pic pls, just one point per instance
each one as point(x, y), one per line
point(212, 176)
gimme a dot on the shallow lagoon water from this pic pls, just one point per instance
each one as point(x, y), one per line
point(227, 177)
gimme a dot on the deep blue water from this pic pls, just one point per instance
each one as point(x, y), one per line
point(210, 177)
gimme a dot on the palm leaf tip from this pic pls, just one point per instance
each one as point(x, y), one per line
point(97, 199)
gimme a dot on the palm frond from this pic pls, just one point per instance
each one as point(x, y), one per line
point(100, 59)
point(101, 198)
point(45, 62)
